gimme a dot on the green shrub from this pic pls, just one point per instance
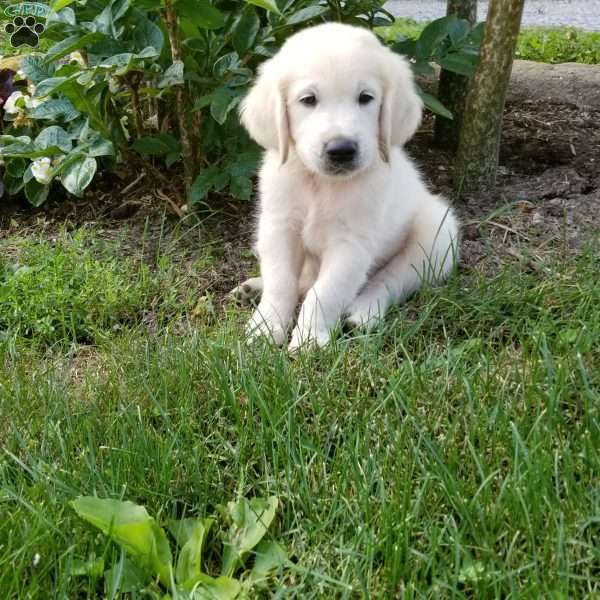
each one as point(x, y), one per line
point(109, 85)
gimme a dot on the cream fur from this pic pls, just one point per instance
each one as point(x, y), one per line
point(348, 244)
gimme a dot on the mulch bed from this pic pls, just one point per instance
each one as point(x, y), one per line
point(547, 200)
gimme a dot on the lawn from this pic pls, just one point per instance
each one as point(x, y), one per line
point(454, 453)
point(541, 44)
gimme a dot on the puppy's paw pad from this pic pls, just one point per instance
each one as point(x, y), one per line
point(246, 293)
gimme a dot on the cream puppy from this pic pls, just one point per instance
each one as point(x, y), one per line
point(345, 222)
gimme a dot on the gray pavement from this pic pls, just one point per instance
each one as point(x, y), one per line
point(578, 13)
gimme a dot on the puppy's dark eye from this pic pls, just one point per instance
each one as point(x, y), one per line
point(309, 100)
point(365, 98)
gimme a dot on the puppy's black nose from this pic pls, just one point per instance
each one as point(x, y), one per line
point(341, 151)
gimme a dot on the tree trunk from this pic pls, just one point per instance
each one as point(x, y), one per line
point(453, 88)
point(479, 146)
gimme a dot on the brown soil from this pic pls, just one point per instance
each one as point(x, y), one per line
point(547, 199)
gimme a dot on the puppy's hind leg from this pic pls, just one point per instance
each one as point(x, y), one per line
point(248, 292)
point(427, 255)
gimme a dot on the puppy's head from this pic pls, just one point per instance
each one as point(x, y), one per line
point(337, 97)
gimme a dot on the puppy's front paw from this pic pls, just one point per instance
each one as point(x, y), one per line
point(247, 292)
point(261, 326)
point(364, 313)
point(307, 339)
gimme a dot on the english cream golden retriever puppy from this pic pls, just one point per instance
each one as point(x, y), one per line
point(345, 223)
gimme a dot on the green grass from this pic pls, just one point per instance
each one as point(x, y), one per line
point(452, 454)
point(541, 44)
point(558, 45)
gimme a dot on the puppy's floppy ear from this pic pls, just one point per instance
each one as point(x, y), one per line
point(401, 107)
point(264, 111)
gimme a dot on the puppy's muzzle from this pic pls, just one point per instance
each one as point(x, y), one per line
point(341, 155)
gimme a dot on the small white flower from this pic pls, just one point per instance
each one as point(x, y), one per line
point(31, 88)
point(40, 169)
point(10, 106)
point(21, 74)
point(36, 559)
point(77, 58)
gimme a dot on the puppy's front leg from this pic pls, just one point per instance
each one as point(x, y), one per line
point(343, 273)
point(280, 250)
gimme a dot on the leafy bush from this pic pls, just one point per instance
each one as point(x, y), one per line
point(109, 85)
point(63, 291)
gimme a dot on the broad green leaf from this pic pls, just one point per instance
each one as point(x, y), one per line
point(36, 193)
point(16, 167)
point(476, 35)
point(267, 4)
point(306, 14)
point(60, 4)
point(245, 164)
point(91, 568)
point(201, 14)
point(462, 63)
point(406, 47)
point(156, 145)
point(269, 556)
point(7, 139)
point(86, 101)
point(78, 175)
point(225, 63)
point(432, 36)
point(126, 577)
point(458, 30)
point(47, 86)
point(250, 521)
point(104, 21)
point(148, 34)
point(241, 187)
point(54, 108)
point(53, 136)
point(245, 30)
point(223, 101)
point(209, 179)
point(220, 588)
point(129, 524)
point(172, 76)
point(20, 150)
point(422, 67)
point(35, 68)
point(65, 16)
point(70, 44)
point(434, 105)
point(100, 146)
point(172, 158)
point(190, 535)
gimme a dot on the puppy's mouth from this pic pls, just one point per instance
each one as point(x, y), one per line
point(341, 170)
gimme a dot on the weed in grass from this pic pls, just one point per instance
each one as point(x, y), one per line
point(146, 563)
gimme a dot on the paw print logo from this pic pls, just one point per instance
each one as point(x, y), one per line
point(24, 31)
